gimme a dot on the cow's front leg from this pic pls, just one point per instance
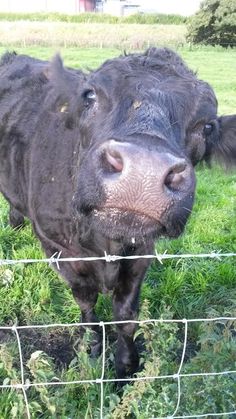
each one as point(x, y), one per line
point(86, 297)
point(125, 307)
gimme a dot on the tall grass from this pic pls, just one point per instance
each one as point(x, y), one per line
point(86, 35)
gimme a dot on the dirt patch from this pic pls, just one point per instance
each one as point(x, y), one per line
point(59, 344)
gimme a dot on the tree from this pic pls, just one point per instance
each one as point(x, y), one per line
point(214, 23)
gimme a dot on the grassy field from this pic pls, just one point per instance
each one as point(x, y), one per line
point(99, 35)
point(193, 288)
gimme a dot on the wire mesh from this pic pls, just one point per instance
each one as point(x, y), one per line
point(178, 376)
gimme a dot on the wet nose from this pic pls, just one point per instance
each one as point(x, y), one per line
point(166, 173)
point(176, 177)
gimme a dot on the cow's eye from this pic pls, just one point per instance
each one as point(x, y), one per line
point(89, 97)
point(208, 128)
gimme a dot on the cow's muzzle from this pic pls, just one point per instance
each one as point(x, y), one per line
point(145, 182)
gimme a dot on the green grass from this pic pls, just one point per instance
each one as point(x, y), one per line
point(191, 288)
point(155, 18)
point(216, 65)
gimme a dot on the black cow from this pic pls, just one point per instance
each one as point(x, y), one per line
point(104, 162)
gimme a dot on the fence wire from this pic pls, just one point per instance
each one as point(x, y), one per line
point(57, 259)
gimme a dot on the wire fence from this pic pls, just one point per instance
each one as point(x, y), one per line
point(24, 385)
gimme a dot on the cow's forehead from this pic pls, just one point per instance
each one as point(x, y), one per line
point(142, 74)
point(164, 61)
point(180, 95)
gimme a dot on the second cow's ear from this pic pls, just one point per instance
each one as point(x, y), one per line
point(222, 146)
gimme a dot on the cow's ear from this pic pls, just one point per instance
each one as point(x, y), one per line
point(66, 84)
point(62, 76)
point(221, 144)
point(55, 70)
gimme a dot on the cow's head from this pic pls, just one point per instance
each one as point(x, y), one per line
point(143, 122)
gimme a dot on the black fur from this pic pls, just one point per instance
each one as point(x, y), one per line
point(95, 160)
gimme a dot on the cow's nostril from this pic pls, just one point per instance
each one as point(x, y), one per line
point(176, 177)
point(113, 161)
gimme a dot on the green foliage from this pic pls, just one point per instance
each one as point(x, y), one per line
point(50, 401)
point(216, 349)
point(58, 17)
point(154, 18)
point(154, 397)
point(214, 24)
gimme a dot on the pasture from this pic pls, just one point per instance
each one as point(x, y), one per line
point(84, 35)
point(191, 288)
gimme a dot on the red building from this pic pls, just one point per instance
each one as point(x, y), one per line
point(87, 5)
